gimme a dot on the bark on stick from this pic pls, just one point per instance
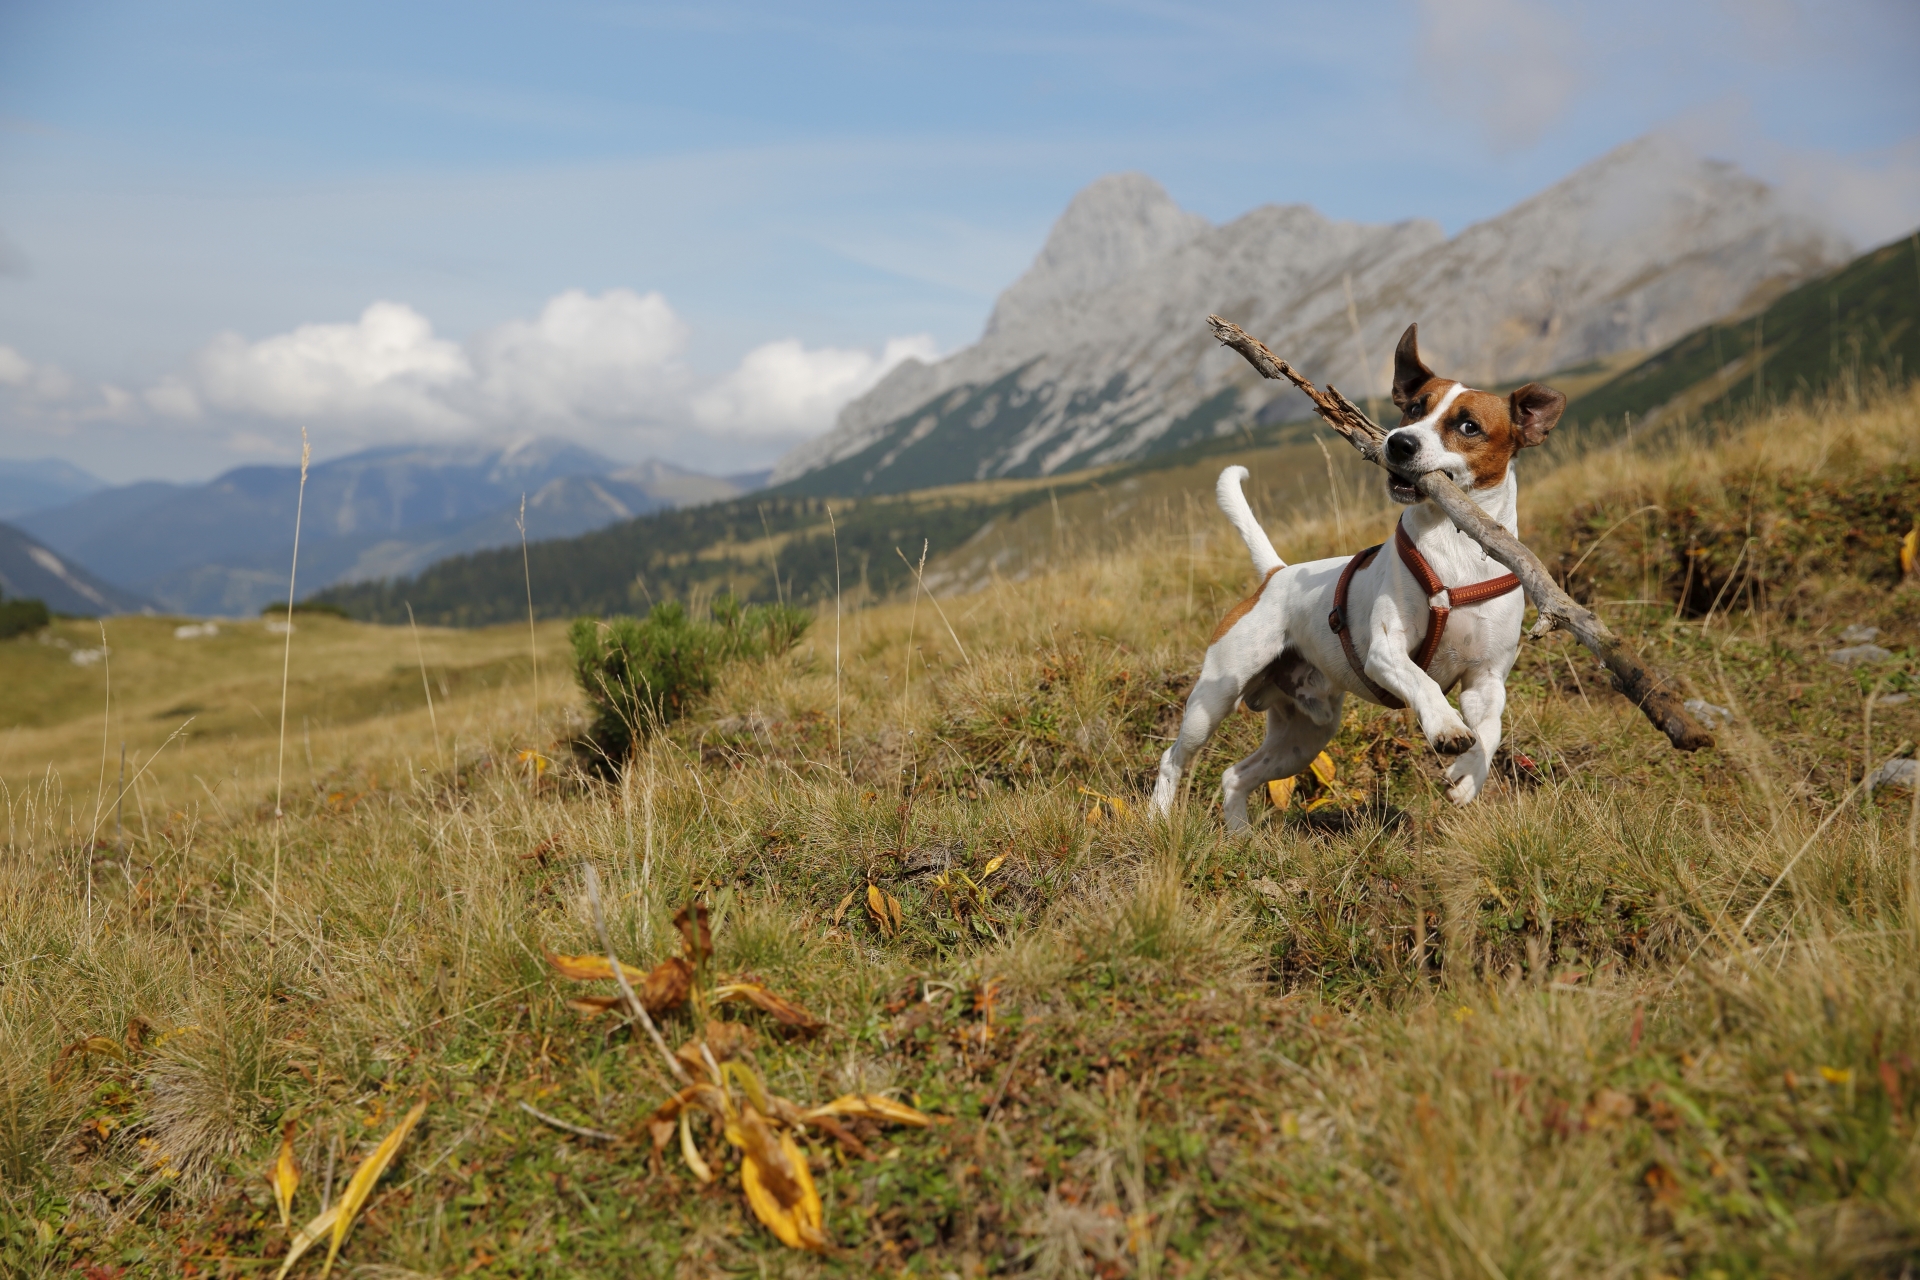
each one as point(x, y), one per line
point(1654, 693)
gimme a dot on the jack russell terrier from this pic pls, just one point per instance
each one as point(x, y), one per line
point(1399, 630)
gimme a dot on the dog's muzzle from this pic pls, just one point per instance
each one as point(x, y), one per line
point(1401, 449)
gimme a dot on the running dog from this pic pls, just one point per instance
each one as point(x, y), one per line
point(1392, 629)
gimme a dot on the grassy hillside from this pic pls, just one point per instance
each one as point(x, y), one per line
point(772, 547)
point(351, 689)
point(1635, 1013)
point(1842, 333)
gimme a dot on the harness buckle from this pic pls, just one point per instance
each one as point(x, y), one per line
point(1336, 622)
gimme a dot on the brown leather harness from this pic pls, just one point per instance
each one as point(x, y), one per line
point(1457, 597)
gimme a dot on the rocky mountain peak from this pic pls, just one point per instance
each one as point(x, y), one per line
point(1100, 352)
point(1112, 228)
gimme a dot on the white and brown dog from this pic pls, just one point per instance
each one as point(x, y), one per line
point(1398, 629)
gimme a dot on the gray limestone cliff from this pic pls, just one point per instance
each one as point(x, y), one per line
point(1100, 351)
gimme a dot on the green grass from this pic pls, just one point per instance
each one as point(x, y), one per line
point(1620, 1017)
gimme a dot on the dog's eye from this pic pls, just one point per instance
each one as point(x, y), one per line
point(1467, 427)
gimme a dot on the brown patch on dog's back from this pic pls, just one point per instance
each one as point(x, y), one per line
point(1242, 609)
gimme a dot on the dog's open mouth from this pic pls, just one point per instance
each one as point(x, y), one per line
point(1400, 488)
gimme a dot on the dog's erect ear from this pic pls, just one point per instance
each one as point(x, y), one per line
point(1534, 409)
point(1409, 372)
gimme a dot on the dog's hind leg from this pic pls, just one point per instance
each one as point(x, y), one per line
point(1293, 740)
point(1211, 701)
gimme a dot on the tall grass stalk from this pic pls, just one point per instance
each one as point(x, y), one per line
point(100, 788)
point(920, 584)
point(839, 749)
point(1333, 493)
point(1360, 345)
point(120, 804)
point(421, 657)
point(533, 641)
point(286, 672)
point(913, 617)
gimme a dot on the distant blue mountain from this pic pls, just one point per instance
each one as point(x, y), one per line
point(34, 484)
point(223, 547)
point(30, 570)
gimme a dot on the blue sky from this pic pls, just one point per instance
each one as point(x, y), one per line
point(691, 232)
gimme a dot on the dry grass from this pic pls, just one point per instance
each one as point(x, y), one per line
point(1530, 1038)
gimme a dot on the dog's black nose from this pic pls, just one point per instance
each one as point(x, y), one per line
point(1401, 447)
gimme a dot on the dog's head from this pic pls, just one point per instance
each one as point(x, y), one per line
point(1448, 426)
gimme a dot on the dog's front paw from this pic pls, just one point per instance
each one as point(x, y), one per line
point(1465, 789)
point(1453, 739)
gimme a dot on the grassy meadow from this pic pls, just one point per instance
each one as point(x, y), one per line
point(1634, 1013)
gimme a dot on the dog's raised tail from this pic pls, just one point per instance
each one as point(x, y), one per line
point(1234, 503)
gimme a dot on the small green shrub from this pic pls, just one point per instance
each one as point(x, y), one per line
point(642, 673)
point(20, 617)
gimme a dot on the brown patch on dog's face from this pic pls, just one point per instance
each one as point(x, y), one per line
point(1483, 429)
point(1477, 427)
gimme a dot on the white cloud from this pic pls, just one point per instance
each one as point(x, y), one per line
point(15, 368)
point(1514, 65)
point(172, 397)
point(46, 384)
point(610, 368)
point(384, 370)
point(584, 358)
point(1873, 195)
point(783, 389)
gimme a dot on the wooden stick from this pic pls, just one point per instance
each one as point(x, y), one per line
point(1648, 689)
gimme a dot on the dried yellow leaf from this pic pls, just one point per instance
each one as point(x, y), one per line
point(792, 1211)
point(591, 968)
point(759, 997)
point(691, 1153)
point(1280, 791)
point(1836, 1075)
point(285, 1177)
point(664, 987)
point(1104, 806)
point(993, 865)
point(893, 907)
point(361, 1184)
point(877, 908)
point(840, 912)
point(102, 1045)
point(1910, 550)
point(871, 1106)
point(306, 1238)
point(1322, 768)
